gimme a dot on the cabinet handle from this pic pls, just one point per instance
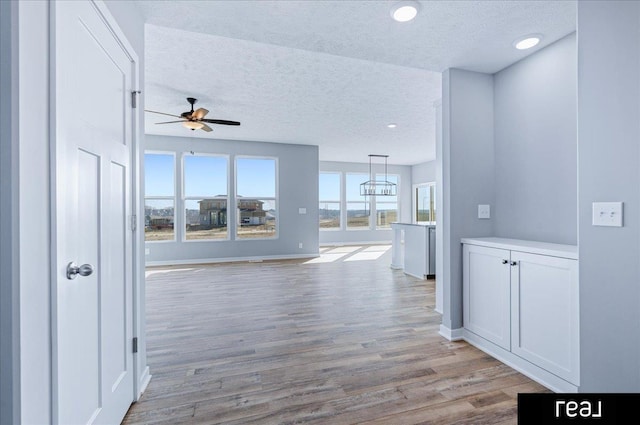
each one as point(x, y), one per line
point(514, 263)
point(505, 261)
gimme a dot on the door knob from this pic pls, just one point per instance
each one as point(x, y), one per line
point(514, 263)
point(505, 261)
point(73, 270)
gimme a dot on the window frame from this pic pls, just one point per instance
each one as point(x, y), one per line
point(173, 197)
point(347, 201)
point(276, 199)
point(186, 198)
point(337, 201)
point(432, 203)
point(374, 220)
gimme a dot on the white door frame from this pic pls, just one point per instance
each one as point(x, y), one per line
point(138, 300)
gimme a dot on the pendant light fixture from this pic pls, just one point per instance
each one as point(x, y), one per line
point(375, 187)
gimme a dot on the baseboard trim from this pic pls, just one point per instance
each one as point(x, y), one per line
point(229, 260)
point(451, 334)
point(143, 383)
point(541, 376)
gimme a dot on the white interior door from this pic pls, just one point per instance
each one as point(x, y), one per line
point(92, 327)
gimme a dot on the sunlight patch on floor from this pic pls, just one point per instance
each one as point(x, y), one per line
point(326, 258)
point(350, 253)
point(345, 249)
point(377, 248)
point(365, 256)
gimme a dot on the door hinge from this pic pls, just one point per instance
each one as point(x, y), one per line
point(135, 344)
point(134, 222)
point(134, 98)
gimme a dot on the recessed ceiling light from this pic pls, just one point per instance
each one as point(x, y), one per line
point(405, 10)
point(527, 42)
point(392, 125)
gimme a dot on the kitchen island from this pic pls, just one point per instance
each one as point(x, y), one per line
point(414, 249)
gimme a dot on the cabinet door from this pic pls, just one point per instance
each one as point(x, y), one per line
point(544, 314)
point(486, 289)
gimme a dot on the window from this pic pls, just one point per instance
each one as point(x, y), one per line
point(256, 198)
point(424, 203)
point(159, 197)
point(329, 189)
point(386, 206)
point(358, 206)
point(205, 197)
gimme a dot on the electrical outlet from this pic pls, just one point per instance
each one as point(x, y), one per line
point(302, 210)
point(484, 211)
point(300, 245)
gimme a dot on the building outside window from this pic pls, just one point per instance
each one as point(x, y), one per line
point(256, 198)
point(329, 208)
point(159, 197)
point(205, 197)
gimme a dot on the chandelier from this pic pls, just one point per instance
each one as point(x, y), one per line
point(374, 187)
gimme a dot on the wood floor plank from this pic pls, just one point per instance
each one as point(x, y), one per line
point(294, 342)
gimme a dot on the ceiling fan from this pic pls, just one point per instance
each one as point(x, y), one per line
point(194, 120)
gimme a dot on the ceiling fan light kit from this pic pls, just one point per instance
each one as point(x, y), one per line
point(193, 125)
point(194, 119)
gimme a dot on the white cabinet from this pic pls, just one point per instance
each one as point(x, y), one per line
point(544, 312)
point(523, 297)
point(486, 296)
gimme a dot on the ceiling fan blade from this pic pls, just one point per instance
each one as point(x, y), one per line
point(206, 127)
point(200, 113)
point(162, 113)
point(225, 122)
point(169, 122)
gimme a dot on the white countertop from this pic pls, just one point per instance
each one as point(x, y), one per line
point(533, 247)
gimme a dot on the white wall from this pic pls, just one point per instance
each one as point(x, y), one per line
point(368, 235)
point(31, 186)
point(467, 158)
point(535, 146)
point(609, 170)
point(298, 188)
point(423, 173)
point(132, 24)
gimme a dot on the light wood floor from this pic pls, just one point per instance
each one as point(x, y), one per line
point(309, 342)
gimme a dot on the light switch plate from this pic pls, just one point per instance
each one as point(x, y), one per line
point(484, 211)
point(607, 214)
point(302, 210)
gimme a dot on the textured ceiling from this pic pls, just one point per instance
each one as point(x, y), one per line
point(329, 73)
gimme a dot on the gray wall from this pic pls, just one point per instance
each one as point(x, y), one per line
point(423, 173)
point(9, 267)
point(609, 170)
point(467, 157)
point(361, 235)
point(535, 146)
point(34, 204)
point(298, 187)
